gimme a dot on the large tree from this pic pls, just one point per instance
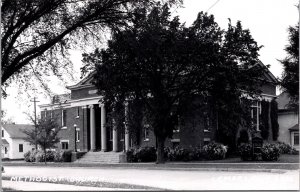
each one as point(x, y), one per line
point(165, 65)
point(290, 76)
point(35, 34)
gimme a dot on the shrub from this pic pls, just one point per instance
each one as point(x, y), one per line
point(27, 156)
point(32, 156)
point(58, 156)
point(130, 157)
point(67, 156)
point(214, 151)
point(286, 148)
point(40, 156)
point(145, 154)
point(245, 151)
point(270, 152)
point(182, 154)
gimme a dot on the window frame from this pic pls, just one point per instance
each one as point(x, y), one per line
point(21, 148)
point(64, 118)
point(257, 105)
point(64, 141)
point(146, 132)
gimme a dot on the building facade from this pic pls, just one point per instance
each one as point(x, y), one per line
point(288, 121)
point(83, 119)
point(13, 144)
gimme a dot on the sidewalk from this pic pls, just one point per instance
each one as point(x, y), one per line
point(35, 186)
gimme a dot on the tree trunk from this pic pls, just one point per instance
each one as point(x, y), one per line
point(160, 150)
point(45, 156)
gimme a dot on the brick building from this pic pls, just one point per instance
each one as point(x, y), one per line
point(83, 119)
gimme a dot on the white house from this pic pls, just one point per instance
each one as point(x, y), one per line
point(288, 121)
point(13, 144)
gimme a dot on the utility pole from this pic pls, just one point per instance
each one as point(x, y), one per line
point(34, 104)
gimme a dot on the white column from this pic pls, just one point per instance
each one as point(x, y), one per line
point(103, 129)
point(93, 128)
point(115, 137)
point(127, 140)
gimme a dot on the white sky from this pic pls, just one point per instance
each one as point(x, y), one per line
point(267, 21)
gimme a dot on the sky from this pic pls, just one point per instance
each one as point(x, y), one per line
point(267, 20)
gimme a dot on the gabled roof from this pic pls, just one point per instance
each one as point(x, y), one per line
point(294, 128)
point(4, 142)
point(87, 81)
point(16, 130)
point(268, 75)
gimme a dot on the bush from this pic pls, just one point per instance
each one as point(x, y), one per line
point(58, 156)
point(40, 156)
point(286, 148)
point(27, 156)
point(130, 157)
point(270, 152)
point(145, 154)
point(182, 154)
point(214, 151)
point(32, 156)
point(245, 151)
point(67, 156)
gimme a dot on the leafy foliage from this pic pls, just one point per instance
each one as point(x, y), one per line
point(214, 151)
point(270, 152)
point(165, 65)
point(245, 151)
point(290, 76)
point(274, 119)
point(45, 135)
point(29, 49)
point(264, 119)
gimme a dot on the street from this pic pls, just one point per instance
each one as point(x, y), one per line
point(170, 179)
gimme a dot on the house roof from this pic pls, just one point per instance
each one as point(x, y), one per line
point(16, 130)
point(4, 142)
point(87, 81)
point(294, 128)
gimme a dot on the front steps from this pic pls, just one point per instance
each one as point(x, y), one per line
point(101, 157)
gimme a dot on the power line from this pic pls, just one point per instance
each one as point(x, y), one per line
point(212, 5)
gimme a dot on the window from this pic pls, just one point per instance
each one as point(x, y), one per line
point(64, 144)
point(64, 118)
point(146, 132)
point(77, 135)
point(20, 148)
point(77, 112)
point(206, 122)
point(296, 138)
point(2, 133)
point(177, 126)
point(45, 114)
point(255, 112)
point(206, 141)
point(5, 150)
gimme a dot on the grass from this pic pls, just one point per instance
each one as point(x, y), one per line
point(100, 184)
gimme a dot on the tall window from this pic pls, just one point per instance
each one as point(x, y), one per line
point(51, 114)
point(255, 112)
point(206, 122)
point(5, 150)
point(64, 145)
point(64, 118)
point(2, 133)
point(20, 148)
point(146, 132)
point(77, 112)
point(296, 138)
point(77, 135)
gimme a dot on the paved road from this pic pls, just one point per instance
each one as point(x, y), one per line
point(171, 179)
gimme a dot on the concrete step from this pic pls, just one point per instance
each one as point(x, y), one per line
point(100, 157)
